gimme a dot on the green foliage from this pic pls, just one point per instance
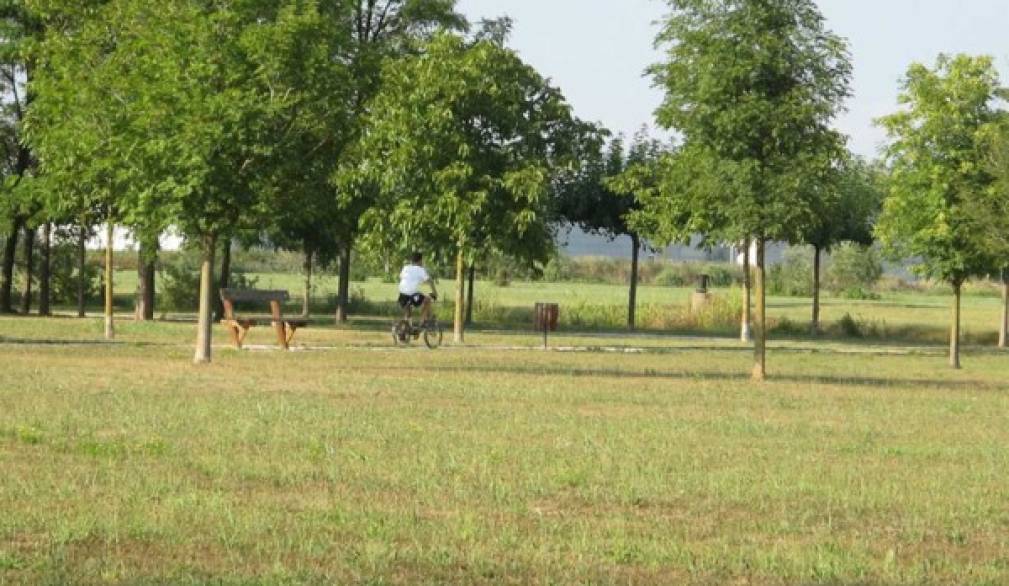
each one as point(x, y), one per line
point(847, 206)
point(64, 272)
point(460, 152)
point(849, 327)
point(936, 154)
point(688, 274)
point(988, 211)
point(793, 276)
point(179, 283)
point(853, 271)
point(601, 195)
point(752, 167)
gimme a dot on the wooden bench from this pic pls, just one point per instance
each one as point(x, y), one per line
point(239, 328)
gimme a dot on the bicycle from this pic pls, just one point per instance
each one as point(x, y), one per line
point(404, 331)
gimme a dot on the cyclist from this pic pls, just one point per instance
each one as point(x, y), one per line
point(411, 278)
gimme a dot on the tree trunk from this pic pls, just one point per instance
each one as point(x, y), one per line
point(224, 279)
point(146, 271)
point(632, 298)
point(815, 324)
point(307, 301)
point(458, 325)
point(110, 326)
point(954, 335)
point(469, 294)
point(26, 299)
point(82, 276)
point(45, 271)
point(1003, 330)
point(760, 338)
point(7, 284)
point(343, 288)
point(205, 322)
point(745, 333)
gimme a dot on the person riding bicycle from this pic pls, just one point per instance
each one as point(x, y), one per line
point(411, 278)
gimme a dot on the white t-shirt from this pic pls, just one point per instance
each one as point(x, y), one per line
point(411, 278)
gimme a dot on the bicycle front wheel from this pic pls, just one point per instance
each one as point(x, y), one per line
point(401, 331)
point(432, 335)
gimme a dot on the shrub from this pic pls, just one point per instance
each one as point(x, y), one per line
point(849, 327)
point(854, 270)
point(559, 268)
point(858, 294)
point(789, 327)
point(179, 289)
point(793, 276)
point(502, 277)
point(688, 274)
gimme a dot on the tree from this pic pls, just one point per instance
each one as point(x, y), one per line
point(753, 88)
point(461, 141)
point(611, 196)
point(988, 211)
point(312, 73)
point(999, 206)
point(19, 26)
point(377, 30)
point(936, 155)
point(846, 212)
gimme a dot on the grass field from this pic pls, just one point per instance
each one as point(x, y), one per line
point(904, 317)
point(622, 460)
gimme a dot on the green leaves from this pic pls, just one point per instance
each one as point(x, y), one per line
point(752, 87)
point(938, 179)
point(459, 151)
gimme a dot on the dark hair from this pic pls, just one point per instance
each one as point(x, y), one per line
point(416, 257)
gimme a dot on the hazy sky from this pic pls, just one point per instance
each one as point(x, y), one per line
point(596, 50)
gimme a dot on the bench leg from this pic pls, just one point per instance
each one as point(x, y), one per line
point(236, 336)
point(281, 329)
point(241, 336)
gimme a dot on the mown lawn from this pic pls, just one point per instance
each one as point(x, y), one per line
point(633, 460)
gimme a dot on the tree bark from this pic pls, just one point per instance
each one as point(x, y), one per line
point(760, 338)
point(815, 323)
point(745, 333)
point(632, 297)
point(29, 258)
point(7, 283)
point(110, 326)
point(82, 276)
point(954, 335)
point(458, 325)
point(343, 288)
point(307, 300)
point(45, 271)
point(1003, 330)
point(146, 272)
point(224, 279)
point(469, 294)
point(205, 322)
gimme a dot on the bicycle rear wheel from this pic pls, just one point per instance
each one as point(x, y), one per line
point(433, 335)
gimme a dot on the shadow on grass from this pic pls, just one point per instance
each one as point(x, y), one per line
point(8, 341)
point(702, 375)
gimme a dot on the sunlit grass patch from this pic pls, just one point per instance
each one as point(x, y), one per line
point(644, 459)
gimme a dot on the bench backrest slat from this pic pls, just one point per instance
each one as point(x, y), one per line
point(254, 295)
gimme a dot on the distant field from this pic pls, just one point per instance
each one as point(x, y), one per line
point(905, 316)
point(622, 460)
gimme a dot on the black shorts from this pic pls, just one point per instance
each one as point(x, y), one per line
point(415, 300)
